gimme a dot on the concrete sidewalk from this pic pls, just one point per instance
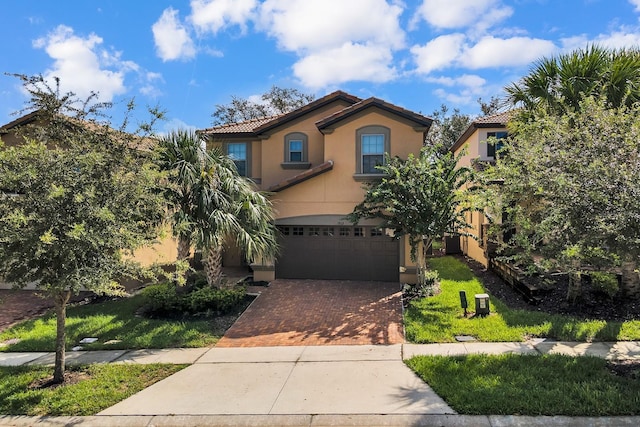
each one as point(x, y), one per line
point(621, 350)
point(305, 386)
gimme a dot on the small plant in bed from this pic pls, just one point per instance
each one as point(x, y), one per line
point(166, 300)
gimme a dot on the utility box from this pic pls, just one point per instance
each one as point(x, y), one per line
point(482, 304)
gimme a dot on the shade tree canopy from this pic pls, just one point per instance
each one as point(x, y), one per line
point(77, 198)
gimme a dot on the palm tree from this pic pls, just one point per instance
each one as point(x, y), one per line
point(231, 211)
point(561, 82)
point(181, 154)
point(213, 205)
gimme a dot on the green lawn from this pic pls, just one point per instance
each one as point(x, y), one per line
point(529, 385)
point(112, 321)
point(102, 386)
point(440, 318)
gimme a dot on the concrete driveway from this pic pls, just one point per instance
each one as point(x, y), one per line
point(320, 312)
point(289, 380)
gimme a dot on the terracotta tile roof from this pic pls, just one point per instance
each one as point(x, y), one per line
point(498, 118)
point(248, 126)
point(336, 117)
point(301, 177)
point(257, 126)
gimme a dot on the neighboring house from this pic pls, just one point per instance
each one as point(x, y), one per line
point(165, 251)
point(314, 161)
point(476, 154)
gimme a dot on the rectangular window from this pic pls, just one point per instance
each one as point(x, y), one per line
point(314, 231)
point(237, 151)
point(298, 231)
point(372, 152)
point(285, 231)
point(376, 232)
point(493, 148)
point(327, 231)
point(295, 150)
point(358, 231)
point(345, 231)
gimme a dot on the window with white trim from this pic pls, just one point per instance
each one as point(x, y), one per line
point(372, 142)
point(496, 146)
point(237, 151)
point(372, 150)
point(295, 151)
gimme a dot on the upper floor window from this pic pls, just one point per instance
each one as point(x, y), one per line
point(372, 153)
point(372, 142)
point(493, 148)
point(295, 151)
point(237, 151)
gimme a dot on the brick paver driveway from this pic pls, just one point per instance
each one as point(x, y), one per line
point(320, 312)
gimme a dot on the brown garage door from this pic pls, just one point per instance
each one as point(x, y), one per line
point(336, 252)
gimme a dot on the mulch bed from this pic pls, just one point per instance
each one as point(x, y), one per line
point(17, 305)
point(592, 305)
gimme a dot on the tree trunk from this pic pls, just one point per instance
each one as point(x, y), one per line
point(630, 280)
point(213, 266)
point(421, 266)
point(184, 247)
point(574, 290)
point(60, 299)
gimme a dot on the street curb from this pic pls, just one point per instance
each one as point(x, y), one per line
point(320, 420)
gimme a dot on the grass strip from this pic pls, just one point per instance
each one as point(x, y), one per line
point(440, 318)
point(116, 322)
point(100, 386)
point(529, 385)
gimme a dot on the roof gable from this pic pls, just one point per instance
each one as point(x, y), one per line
point(344, 114)
point(255, 127)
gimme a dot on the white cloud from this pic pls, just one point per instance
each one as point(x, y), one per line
point(470, 81)
point(494, 52)
point(336, 41)
point(171, 37)
point(439, 53)
point(149, 88)
point(313, 25)
point(462, 13)
point(346, 63)
point(81, 64)
point(624, 37)
point(635, 3)
point(174, 124)
point(455, 50)
point(214, 15)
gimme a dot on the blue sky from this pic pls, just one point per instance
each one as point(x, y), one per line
point(188, 56)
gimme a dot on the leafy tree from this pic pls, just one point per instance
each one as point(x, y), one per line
point(276, 101)
point(494, 106)
point(559, 83)
point(446, 128)
point(420, 197)
point(79, 196)
point(213, 205)
point(570, 185)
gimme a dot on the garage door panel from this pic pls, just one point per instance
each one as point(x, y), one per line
point(338, 256)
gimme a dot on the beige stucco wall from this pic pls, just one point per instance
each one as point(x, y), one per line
point(163, 252)
point(273, 148)
point(476, 148)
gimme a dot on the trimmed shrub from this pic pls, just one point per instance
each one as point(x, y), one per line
point(413, 291)
point(162, 299)
point(166, 300)
point(208, 299)
point(603, 282)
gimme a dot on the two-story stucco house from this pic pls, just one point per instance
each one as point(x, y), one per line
point(476, 153)
point(314, 162)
